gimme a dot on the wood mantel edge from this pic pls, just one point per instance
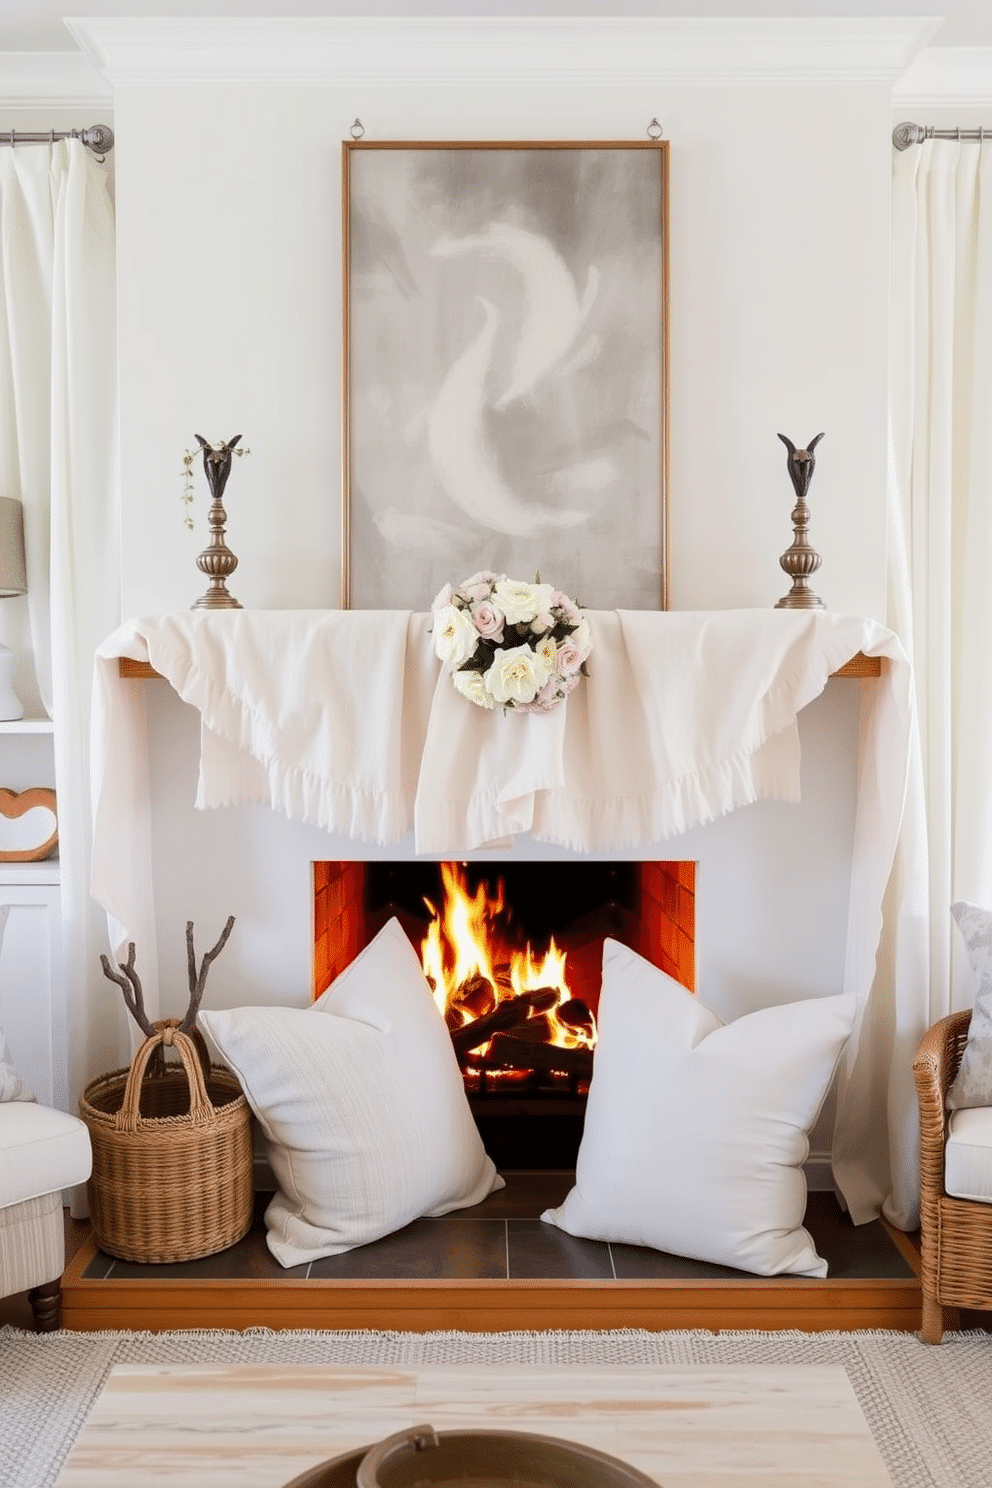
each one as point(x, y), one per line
point(859, 665)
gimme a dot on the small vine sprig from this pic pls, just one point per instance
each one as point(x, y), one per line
point(188, 495)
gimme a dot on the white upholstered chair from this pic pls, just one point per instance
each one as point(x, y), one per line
point(42, 1152)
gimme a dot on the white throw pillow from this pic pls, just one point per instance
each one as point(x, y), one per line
point(695, 1130)
point(972, 1085)
point(12, 1087)
point(362, 1105)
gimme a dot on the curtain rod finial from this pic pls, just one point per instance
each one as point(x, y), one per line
point(905, 135)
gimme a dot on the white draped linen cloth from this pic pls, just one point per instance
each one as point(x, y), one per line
point(344, 720)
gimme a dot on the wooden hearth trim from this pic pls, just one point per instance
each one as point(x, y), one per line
point(91, 1305)
point(858, 666)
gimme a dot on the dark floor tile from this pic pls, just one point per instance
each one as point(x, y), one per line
point(525, 1196)
point(641, 1263)
point(249, 1260)
point(473, 1243)
point(99, 1267)
point(853, 1252)
point(542, 1252)
point(440, 1248)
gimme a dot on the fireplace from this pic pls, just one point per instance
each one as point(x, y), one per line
point(513, 952)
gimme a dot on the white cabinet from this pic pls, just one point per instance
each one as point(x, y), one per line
point(32, 1002)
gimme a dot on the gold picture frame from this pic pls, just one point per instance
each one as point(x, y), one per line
point(505, 377)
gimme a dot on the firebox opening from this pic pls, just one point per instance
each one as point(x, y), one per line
point(513, 952)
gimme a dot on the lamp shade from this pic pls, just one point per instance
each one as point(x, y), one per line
point(13, 573)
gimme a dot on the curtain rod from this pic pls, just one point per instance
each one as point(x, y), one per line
point(97, 137)
point(905, 135)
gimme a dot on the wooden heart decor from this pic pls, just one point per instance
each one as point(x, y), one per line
point(29, 825)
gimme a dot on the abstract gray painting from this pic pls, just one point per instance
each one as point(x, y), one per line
point(505, 333)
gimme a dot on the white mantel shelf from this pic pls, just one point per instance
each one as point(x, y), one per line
point(858, 666)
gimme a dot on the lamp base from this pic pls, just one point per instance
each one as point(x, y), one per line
point(10, 704)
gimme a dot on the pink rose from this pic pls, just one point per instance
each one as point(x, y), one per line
point(484, 576)
point(474, 593)
point(569, 611)
point(570, 657)
point(488, 621)
point(541, 623)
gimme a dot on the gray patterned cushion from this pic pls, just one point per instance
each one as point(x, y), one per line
point(972, 1085)
point(12, 1087)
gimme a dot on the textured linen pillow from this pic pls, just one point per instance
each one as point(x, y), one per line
point(361, 1103)
point(695, 1130)
point(12, 1087)
point(972, 1085)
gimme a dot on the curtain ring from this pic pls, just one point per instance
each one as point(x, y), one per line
point(357, 130)
point(655, 130)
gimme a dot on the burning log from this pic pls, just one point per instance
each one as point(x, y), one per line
point(477, 996)
point(510, 1013)
point(575, 1014)
point(506, 1052)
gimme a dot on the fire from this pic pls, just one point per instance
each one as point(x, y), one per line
point(473, 966)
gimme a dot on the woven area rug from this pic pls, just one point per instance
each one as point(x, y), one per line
point(928, 1408)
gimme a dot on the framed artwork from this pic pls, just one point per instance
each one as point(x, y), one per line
point(505, 369)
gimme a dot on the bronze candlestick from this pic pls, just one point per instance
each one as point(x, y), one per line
point(800, 560)
point(217, 561)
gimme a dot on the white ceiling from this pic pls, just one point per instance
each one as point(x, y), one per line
point(36, 25)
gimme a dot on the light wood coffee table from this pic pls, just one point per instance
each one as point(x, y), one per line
point(257, 1427)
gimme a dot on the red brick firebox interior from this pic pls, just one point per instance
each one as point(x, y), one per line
point(659, 924)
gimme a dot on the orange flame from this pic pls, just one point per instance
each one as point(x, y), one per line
point(464, 940)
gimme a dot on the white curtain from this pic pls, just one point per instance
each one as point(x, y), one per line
point(941, 517)
point(58, 432)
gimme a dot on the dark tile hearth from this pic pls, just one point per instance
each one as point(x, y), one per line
point(503, 1238)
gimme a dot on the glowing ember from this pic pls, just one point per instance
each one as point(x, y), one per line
point(473, 966)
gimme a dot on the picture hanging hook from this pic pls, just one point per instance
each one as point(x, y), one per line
point(655, 130)
point(357, 130)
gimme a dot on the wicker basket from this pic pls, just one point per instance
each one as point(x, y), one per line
point(172, 1154)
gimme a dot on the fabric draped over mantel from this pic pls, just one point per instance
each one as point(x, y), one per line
point(344, 720)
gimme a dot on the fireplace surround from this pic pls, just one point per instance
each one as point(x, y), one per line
point(794, 907)
point(530, 1110)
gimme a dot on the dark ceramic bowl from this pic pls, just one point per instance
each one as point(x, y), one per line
point(424, 1458)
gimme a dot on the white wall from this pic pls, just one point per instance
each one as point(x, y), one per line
point(229, 233)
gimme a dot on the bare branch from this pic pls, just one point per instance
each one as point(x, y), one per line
point(130, 984)
point(197, 985)
point(190, 958)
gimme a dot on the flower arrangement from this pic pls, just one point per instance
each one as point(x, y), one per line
point(504, 641)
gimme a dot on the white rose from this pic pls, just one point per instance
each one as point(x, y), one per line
point(455, 636)
point(442, 599)
point(547, 650)
point(517, 675)
point(521, 602)
point(471, 685)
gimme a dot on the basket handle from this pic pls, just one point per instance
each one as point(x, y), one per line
point(128, 1118)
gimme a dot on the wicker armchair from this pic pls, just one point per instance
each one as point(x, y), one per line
point(956, 1234)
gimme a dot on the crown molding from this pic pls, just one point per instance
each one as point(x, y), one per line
point(947, 75)
point(51, 80)
point(431, 51)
